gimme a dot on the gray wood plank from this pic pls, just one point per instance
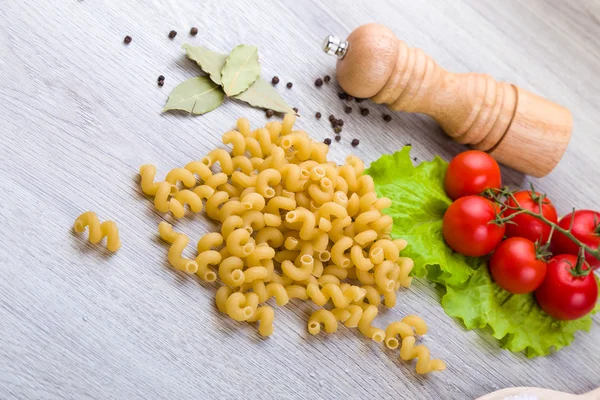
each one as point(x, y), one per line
point(79, 112)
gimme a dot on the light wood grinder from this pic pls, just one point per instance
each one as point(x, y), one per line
point(516, 127)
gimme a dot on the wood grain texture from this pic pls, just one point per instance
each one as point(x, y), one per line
point(79, 112)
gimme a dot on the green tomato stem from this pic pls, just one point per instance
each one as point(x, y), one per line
point(520, 210)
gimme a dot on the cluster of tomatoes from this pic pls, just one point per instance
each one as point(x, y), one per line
point(522, 243)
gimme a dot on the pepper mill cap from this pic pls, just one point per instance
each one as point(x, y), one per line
point(333, 46)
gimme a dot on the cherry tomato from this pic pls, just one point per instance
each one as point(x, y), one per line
point(527, 226)
point(468, 226)
point(515, 266)
point(586, 227)
point(470, 173)
point(563, 295)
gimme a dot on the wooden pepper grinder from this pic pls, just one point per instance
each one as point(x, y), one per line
point(516, 127)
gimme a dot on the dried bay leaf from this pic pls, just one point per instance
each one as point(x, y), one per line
point(261, 94)
point(209, 61)
point(196, 95)
point(241, 69)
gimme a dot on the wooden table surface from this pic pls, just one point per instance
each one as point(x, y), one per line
point(80, 111)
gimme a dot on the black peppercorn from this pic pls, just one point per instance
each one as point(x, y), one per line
point(358, 100)
point(275, 80)
point(319, 82)
point(318, 115)
point(338, 138)
point(387, 117)
point(364, 112)
point(295, 109)
point(194, 31)
point(161, 78)
point(289, 85)
point(408, 144)
point(326, 78)
point(269, 113)
point(342, 96)
point(337, 129)
point(127, 39)
point(415, 159)
point(340, 122)
point(327, 141)
point(334, 123)
point(161, 83)
point(355, 142)
point(347, 109)
point(331, 117)
point(349, 98)
point(172, 34)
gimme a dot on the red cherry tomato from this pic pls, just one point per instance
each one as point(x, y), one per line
point(528, 226)
point(515, 266)
point(586, 227)
point(468, 227)
point(563, 295)
point(470, 173)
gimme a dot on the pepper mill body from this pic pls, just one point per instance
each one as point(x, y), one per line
point(518, 128)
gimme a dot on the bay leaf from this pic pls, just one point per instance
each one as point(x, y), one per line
point(197, 95)
point(209, 61)
point(261, 94)
point(241, 69)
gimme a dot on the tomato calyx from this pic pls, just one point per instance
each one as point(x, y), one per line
point(578, 270)
point(542, 251)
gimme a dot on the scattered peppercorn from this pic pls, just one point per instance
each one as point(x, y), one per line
point(326, 78)
point(342, 96)
point(289, 85)
point(355, 142)
point(349, 98)
point(340, 122)
point(408, 144)
point(127, 39)
point(415, 159)
point(364, 112)
point(387, 117)
point(358, 100)
point(269, 113)
point(161, 78)
point(295, 109)
point(275, 80)
point(334, 123)
point(331, 117)
point(318, 115)
point(338, 138)
point(347, 109)
point(194, 31)
point(319, 82)
point(161, 83)
point(337, 129)
point(172, 34)
point(327, 141)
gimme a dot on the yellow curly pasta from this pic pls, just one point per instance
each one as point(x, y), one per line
point(98, 231)
point(293, 226)
point(323, 318)
point(425, 365)
point(330, 291)
point(179, 241)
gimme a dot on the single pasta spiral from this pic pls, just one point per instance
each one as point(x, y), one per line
point(98, 231)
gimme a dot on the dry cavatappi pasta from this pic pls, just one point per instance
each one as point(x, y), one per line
point(98, 231)
point(293, 226)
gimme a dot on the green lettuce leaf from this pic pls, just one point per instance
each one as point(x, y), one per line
point(515, 319)
point(418, 206)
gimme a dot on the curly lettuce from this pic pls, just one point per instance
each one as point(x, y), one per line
point(418, 206)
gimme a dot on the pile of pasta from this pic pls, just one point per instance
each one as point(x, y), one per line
point(293, 226)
